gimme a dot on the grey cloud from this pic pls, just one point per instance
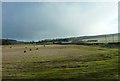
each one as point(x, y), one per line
point(34, 21)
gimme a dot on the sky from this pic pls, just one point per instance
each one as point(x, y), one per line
point(60, 0)
point(0, 20)
point(47, 20)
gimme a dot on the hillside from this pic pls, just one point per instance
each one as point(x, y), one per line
point(100, 38)
point(86, 39)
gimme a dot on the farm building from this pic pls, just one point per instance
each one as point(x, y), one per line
point(62, 42)
point(92, 41)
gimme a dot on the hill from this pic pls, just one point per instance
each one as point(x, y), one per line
point(101, 38)
point(107, 38)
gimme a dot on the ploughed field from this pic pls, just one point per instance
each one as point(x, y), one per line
point(59, 62)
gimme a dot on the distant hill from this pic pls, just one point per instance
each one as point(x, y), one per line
point(101, 38)
point(8, 41)
point(107, 38)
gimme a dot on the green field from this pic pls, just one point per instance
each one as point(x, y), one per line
point(59, 62)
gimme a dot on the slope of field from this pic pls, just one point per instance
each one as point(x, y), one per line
point(59, 62)
point(101, 38)
point(0, 62)
point(106, 38)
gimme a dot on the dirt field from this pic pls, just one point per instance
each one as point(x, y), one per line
point(59, 62)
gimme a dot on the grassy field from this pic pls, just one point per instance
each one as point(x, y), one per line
point(59, 62)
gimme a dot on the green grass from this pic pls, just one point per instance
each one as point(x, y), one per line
point(65, 62)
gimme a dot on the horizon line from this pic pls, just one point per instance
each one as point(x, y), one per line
point(60, 37)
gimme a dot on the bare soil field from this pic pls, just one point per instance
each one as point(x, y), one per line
point(59, 62)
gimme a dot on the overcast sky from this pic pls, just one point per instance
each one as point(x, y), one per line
point(35, 21)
